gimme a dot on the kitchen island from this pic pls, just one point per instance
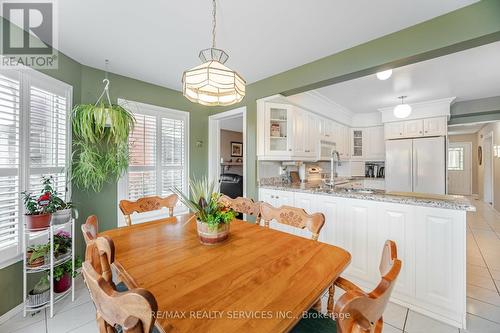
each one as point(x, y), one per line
point(429, 230)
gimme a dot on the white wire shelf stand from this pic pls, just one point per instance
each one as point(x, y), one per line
point(28, 236)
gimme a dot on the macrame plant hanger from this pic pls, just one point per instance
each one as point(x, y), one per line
point(105, 92)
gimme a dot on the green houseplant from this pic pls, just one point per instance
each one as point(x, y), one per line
point(212, 216)
point(40, 293)
point(63, 274)
point(100, 143)
point(36, 254)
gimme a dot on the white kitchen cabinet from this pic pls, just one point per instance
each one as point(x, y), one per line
point(416, 128)
point(342, 139)
point(440, 268)
point(396, 222)
point(435, 126)
point(327, 129)
point(311, 135)
point(278, 123)
point(394, 130)
point(357, 143)
point(431, 244)
point(413, 128)
point(299, 130)
point(374, 143)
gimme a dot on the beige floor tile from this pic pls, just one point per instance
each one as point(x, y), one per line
point(478, 261)
point(390, 329)
point(90, 327)
point(478, 270)
point(483, 310)
point(481, 281)
point(417, 323)
point(38, 327)
point(477, 324)
point(72, 318)
point(395, 315)
point(484, 295)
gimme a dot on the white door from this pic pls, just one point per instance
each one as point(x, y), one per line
point(429, 166)
point(459, 168)
point(488, 171)
point(398, 165)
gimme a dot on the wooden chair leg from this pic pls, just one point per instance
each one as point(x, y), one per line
point(317, 305)
point(331, 292)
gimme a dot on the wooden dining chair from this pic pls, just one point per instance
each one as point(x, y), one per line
point(90, 228)
point(243, 206)
point(295, 217)
point(356, 310)
point(147, 204)
point(100, 253)
point(133, 311)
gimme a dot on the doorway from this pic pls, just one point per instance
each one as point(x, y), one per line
point(227, 151)
point(460, 168)
point(488, 169)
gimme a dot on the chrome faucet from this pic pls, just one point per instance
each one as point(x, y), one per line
point(334, 162)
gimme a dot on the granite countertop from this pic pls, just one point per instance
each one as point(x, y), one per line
point(456, 202)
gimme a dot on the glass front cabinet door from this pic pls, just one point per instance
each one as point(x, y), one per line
point(278, 129)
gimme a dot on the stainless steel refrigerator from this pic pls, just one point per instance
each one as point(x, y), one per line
point(416, 165)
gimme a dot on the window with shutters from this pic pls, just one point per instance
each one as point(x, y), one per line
point(158, 153)
point(34, 142)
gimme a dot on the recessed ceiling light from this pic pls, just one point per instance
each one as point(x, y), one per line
point(402, 110)
point(384, 75)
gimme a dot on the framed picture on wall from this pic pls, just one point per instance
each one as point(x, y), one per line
point(236, 149)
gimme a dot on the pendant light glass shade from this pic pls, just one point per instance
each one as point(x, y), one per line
point(402, 110)
point(384, 75)
point(212, 83)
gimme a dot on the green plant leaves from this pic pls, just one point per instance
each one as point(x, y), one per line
point(101, 144)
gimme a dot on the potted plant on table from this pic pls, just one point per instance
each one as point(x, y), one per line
point(63, 274)
point(212, 217)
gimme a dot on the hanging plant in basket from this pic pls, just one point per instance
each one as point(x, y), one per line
point(100, 142)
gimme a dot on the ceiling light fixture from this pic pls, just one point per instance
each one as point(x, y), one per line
point(402, 110)
point(384, 75)
point(212, 83)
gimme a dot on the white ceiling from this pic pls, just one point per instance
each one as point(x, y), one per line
point(155, 41)
point(232, 124)
point(470, 74)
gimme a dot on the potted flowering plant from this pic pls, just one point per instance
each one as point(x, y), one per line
point(47, 206)
point(63, 274)
point(212, 217)
point(62, 242)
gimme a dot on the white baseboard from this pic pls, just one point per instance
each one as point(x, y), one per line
point(11, 313)
point(475, 196)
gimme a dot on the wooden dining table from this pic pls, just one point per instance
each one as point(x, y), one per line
point(259, 280)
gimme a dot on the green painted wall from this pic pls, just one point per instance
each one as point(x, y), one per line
point(478, 110)
point(104, 204)
point(465, 28)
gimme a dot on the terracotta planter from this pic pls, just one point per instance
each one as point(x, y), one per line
point(36, 263)
point(211, 237)
point(63, 284)
point(41, 221)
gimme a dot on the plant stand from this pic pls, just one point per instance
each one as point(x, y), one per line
point(29, 237)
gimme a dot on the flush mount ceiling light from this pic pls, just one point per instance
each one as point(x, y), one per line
point(384, 75)
point(212, 83)
point(402, 110)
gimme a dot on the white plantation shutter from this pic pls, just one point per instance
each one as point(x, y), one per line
point(158, 153)
point(142, 162)
point(34, 141)
point(10, 90)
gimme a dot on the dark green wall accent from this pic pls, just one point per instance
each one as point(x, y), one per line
point(468, 27)
point(478, 110)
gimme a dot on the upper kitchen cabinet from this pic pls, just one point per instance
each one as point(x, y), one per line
point(436, 126)
point(368, 143)
point(286, 132)
point(342, 140)
point(278, 127)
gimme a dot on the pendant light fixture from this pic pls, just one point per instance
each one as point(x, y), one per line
point(384, 75)
point(212, 83)
point(402, 110)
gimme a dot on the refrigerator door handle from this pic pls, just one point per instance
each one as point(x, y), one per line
point(415, 169)
point(410, 174)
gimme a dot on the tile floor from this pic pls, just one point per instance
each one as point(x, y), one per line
point(483, 293)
